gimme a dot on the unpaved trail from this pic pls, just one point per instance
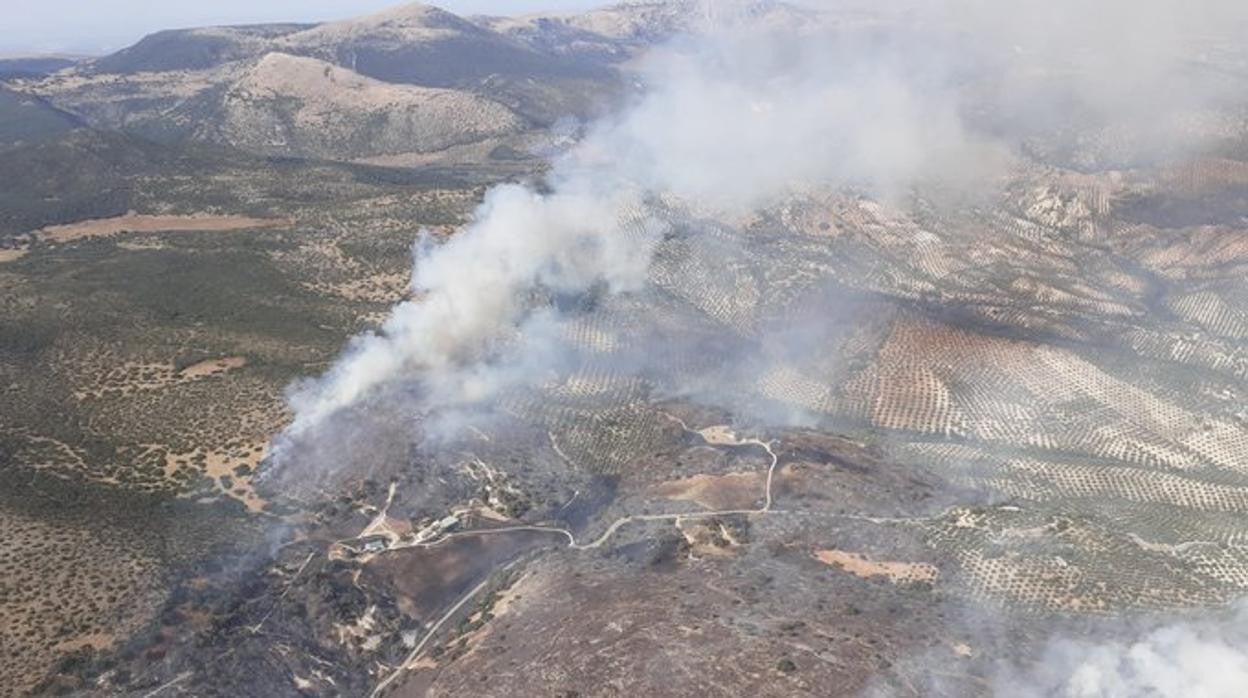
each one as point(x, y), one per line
point(712, 436)
point(601, 540)
point(420, 646)
point(290, 584)
point(176, 680)
point(719, 437)
point(380, 524)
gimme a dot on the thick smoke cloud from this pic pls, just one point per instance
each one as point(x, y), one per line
point(742, 116)
point(471, 291)
point(732, 120)
point(736, 118)
point(1206, 658)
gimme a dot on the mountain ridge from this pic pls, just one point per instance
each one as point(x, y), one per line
point(186, 84)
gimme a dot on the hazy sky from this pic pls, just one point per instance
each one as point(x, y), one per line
point(100, 25)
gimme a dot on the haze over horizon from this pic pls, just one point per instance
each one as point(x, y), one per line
point(81, 26)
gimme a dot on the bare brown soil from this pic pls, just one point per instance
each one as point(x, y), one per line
point(143, 223)
point(213, 366)
point(427, 580)
point(860, 565)
point(731, 491)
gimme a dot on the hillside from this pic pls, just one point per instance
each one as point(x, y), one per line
point(33, 66)
point(611, 33)
point(408, 80)
point(289, 105)
point(618, 32)
point(192, 49)
point(26, 118)
point(423, 45)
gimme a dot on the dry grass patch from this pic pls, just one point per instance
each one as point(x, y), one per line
point(733, 491)
point(213, 367)
point(143, 223)
point(860, 565)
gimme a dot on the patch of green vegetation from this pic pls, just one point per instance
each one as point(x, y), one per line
point(26, 119)
point(85, 174)
point(234, 289)
point(27, 334)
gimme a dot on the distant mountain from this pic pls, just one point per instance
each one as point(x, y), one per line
point(412, 43)
point(424, 45)
point(193, 49)
point(293, 105)
point(412, 79)
point(618, 32)
point(610, 34)
point(33, 66)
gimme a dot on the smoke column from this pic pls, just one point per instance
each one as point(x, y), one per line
point(766, 101)
point(731, 120)
point(756, 108)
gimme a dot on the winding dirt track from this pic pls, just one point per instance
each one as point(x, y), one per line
point(716, 438)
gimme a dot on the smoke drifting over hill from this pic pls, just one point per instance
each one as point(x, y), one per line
point(472, 293)
point(763, 103)
point(755, 107)
point(758, 107)
point(731, 119)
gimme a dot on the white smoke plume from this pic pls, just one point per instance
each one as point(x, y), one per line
point(472, 289)
point(745, 114)
point(1197, 659)
point(736, 119)
point(733, 119)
